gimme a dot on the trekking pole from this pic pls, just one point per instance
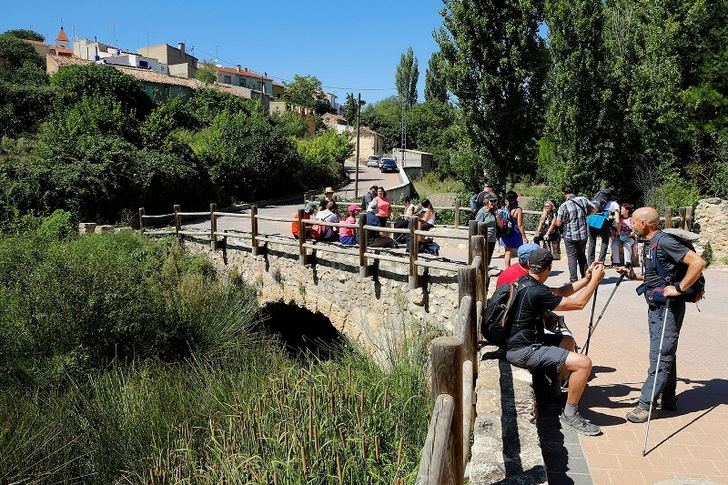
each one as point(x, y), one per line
point(591, 321)
point(657, 371)
point(593, 328)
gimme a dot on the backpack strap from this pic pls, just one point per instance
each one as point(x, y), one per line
point(654, 245)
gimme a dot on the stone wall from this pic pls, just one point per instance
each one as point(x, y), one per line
point(369, 310)
point(711, 218)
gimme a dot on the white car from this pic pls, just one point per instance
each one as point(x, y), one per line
point(373, 161)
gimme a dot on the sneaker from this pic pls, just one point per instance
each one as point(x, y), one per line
point(579, 424)
point(637, 415)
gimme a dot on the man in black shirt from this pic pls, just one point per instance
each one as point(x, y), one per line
point(368, 197)
point(683, 268)
point(529, 347)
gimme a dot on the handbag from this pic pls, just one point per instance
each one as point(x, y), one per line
point(597, 220)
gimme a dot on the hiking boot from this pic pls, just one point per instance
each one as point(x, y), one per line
point(637, 415)
point(579, 424)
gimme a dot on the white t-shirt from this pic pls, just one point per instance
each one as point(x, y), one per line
point(612, 206)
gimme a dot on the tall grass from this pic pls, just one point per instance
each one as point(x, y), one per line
point(218, 402)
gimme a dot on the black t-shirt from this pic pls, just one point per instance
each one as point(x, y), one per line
point(529, 307)
point(670, 252)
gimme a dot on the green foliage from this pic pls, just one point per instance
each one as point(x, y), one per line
point(247, 156)
point(435, 84)
point(495, 64)
point(71, 304)
point(385, 117)
point(206, 104)
point(406, 78)
point(323, 155)
point(22, 107)
point(350, 108)
point(206, 74)
point(302, 90)
point(77, 81)
point(431, 128)
point(17, 55)
point(26, 34)
point(675, 192)
point(292, 123)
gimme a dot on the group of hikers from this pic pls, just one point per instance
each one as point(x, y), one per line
point(578, 221)
point(378, 210)
point(519, 315)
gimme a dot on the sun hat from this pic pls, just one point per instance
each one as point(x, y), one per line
point(525, 250)
point(328, 190)
point(353, 208)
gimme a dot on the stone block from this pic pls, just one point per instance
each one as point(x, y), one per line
point(711, 219)
point(104, 228)
point(86, 227)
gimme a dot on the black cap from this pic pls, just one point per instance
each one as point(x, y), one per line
point(540, 259)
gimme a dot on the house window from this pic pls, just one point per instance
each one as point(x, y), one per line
point(227, 80)
point(144, 64)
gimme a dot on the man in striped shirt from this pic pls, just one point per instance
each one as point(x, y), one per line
point(571, 217)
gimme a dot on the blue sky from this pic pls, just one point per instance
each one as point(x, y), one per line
point(346, 44)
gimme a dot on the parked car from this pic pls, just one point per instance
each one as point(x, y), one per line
point(373, 161)
point(388, 165)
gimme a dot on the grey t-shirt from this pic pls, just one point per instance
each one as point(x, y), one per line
point(670, 252)
point(488, 218)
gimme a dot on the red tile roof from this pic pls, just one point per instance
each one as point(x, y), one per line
point(244, 71)
point(62, 36)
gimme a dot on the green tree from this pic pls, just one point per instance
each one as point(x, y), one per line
point(292, 123)
point(76, 81)
point(430, 128)
point(323, 155)
point(26, 34)
point(19, 62)
point(206, 74)
point(406, 78)
point(495, 64)
point(303, 90)
point(385, 117)
point(580, 149)
point(435, 86)
point(350, 108)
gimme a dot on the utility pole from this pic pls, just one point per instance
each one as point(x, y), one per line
point(356, 159)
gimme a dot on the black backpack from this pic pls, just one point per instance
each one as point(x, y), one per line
point(601, 199)
point(496, 326)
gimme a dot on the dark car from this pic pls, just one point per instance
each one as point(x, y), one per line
point(388, 165)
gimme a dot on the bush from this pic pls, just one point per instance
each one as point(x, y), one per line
point(675, 191)
point(22, 107)
point(69, 304)
point(323, 157)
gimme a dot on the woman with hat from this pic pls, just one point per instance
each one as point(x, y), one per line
point(329, 197)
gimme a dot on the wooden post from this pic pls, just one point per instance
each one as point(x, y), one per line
point(668, 217)
point(447, 378)
point(413, 246)
point(472, 231)
point(434, 463)
point(254, 229)
point(682, 217)
point(689, 216)
point(301, 238)
point(141, 220)
point(480, 248)
point(213, 226)
point(177, 222)
point(467, 317)
point(362, 245)
point(457, 213)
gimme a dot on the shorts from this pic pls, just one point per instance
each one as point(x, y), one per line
point(547, 357)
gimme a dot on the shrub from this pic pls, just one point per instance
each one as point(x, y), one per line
point(323, 157)
point(675, 191)
point(22, 107)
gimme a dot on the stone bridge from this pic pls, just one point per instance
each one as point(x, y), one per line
point(369, 310)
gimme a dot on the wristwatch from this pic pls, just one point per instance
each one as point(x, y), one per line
point(677, 287)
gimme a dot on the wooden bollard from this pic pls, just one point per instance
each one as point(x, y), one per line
point(141, 219)
point(457, 213)
point(213, 226)
point(682, 217)
point(177, 222)
point(689, 218)
point(447, 378)
point(414, 225)
point(668, 217)
point(301, 238)
point(362, 245)
point(254, 229)
point(472, 231)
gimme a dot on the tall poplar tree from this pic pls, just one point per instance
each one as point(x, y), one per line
point(435, 86)
point(406, 78)
point(495, 65)
point(576, 149)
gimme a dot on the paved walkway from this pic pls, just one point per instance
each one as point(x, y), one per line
point(691, 443)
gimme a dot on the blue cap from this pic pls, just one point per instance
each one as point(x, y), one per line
point(525, 250)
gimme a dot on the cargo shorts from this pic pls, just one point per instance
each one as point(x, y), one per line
point(545, 356)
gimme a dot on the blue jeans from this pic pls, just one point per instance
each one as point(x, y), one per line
point(667, 377)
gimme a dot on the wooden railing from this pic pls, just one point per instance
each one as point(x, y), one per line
point(454, 373)
point(308, 246)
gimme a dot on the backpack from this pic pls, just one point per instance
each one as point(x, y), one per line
point(696, 292)
point(601, 199)
point(598, 219)
point(496, 327)
point(474, 202)
point(503, 223)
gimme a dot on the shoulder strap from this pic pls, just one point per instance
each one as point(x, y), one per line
point(579, 205)
point(654, 244)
